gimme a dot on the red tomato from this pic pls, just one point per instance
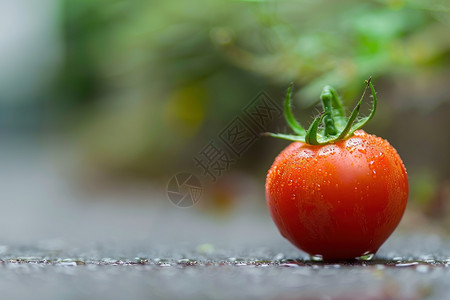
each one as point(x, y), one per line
point(338, 201)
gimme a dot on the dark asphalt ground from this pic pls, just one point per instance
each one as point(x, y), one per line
point(61, 242)
point(407, 267)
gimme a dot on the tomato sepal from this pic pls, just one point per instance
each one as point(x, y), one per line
point(335, 125)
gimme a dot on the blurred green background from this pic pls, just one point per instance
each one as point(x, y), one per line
point(125, 92)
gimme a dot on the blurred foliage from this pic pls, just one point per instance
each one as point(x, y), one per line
point(341, 43)
point(155, 80)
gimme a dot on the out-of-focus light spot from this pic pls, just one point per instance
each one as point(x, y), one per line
point(185, 109)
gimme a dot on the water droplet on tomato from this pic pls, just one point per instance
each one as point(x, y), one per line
point(353, 143)
point(305, 153)
point(327, 150)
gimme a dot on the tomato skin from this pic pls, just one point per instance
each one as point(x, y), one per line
point(340, 201)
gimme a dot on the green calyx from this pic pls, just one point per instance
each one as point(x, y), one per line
point(332, 125)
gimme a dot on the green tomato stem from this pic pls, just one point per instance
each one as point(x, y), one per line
point(311, 133)
point(338, 109)
point(290, 119)
point(325, 98)
point(336, 126)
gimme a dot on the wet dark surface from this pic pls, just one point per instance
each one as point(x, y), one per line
point(407, 267)
point(129, 242)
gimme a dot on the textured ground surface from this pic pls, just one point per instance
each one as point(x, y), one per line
point(407, 267)
point(57, 242)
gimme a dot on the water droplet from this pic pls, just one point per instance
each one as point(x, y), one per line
point(317, 257)
point(289, 264)
point(327, 150)
point(353, 142)
point(185, 261)
point(165, 264)
point(67, 264)
point(305, 153)
point(366, 256)
point(407, 264)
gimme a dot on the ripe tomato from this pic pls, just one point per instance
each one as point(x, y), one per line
point(336, 198)
point(338, 201)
